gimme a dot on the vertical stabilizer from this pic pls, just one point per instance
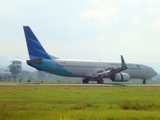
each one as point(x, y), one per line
point(35, 48)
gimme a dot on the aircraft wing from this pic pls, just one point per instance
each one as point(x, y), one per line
point(111, 71)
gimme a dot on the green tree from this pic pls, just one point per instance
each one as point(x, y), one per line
point(29, 81)
point(25, 73)
point(15, 68)
point(40, 75)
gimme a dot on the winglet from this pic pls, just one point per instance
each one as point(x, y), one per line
point(124, 66)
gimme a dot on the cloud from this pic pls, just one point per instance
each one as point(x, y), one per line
point(11, 46)
point(155, 14)
point(87, 29)
point(136, 20)
point(105, 14)
point(137, 47)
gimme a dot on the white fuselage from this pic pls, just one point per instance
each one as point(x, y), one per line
point(85, 69)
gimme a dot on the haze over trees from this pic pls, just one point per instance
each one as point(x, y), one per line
point(15, 68)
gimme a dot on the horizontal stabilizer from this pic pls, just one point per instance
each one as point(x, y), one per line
point(35, 61)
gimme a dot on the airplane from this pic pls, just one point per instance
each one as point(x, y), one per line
point(87, 70)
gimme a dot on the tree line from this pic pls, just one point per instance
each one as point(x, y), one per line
point(20, 75)
point(17, 72)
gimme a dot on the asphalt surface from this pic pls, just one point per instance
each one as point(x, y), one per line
point(81, 85)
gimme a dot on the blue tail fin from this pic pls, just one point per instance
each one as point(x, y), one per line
point(35, 48)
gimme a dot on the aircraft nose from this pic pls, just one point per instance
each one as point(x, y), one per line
point(155, 73)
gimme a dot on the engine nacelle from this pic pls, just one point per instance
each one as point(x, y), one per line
point(120, 77)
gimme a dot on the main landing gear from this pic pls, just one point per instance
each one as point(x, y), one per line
point(85, 80)
point(144, 81)
point(100, 81)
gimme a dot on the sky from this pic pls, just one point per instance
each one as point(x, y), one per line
point(83, 29)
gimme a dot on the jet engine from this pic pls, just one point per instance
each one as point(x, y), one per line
point(120, 77)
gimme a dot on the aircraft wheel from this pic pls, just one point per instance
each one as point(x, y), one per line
point(85, 80)
point(144, 81)
point(100, 81)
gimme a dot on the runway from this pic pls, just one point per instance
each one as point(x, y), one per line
point(81, 85)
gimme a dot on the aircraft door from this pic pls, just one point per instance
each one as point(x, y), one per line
point(146, 70)
point(53, 66)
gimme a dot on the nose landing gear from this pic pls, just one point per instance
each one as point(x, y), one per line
point(144, 81)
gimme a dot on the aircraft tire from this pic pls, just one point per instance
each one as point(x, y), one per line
point(85, 81)
point(100, 81)
point(144, 81)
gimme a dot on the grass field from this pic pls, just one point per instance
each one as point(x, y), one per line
point(79, 103)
